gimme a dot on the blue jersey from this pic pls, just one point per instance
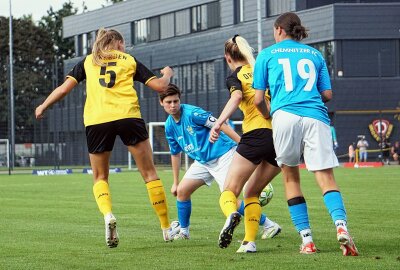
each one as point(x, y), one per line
point(296, 74)
point(191, 134)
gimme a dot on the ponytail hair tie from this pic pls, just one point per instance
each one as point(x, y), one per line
point(234, 38)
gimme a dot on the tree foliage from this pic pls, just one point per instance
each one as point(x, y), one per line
point(52, 23)
point(36, 49)
point(32, 59)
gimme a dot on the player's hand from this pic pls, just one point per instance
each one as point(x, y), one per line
point(39, 112)
point(214, 132)
point(167, 71)
point(174, 189)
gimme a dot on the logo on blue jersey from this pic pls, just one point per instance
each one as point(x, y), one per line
point(190, 130)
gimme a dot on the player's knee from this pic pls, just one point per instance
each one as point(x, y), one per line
point(183, 194)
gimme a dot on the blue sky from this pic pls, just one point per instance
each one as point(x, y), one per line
point(38, 8)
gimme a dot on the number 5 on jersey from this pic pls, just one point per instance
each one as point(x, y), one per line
point(113, 75)
point(309, 75)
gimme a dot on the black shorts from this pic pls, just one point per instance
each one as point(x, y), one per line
point(257, 145)
point(101, 137)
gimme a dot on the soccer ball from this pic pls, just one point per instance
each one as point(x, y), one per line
point(266, 195)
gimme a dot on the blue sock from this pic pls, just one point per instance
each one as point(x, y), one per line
point(241, 212)
point(298, 213)
point(184, 212)
point(334, 203)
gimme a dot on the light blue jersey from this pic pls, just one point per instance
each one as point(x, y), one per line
point(191, 134)
point(296, 74)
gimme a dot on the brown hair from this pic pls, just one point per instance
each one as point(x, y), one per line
point(239, 50)
point(106, 40)
point(291, 23)
point(171, 91)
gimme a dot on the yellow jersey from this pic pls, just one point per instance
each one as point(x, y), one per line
point(110, 92)
point(241, 80)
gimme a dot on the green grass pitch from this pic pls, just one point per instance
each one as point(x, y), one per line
point(52, 222)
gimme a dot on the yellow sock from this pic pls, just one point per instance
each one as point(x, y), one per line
point(101, 192)
point(159, 201)
point(227, 202)
point(252, 214)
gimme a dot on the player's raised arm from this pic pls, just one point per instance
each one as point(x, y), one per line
point(161, 84)
point(57, 94)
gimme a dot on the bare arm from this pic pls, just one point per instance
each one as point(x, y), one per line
point(57, 94)
point(262, 104)
point(230, 132)
point(326, 95)
point(161, 84)
point(176, 166)
point(230, 107)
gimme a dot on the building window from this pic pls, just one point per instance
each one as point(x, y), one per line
point(205, 16)
point(187, 78)
point(238, 11)
point(153, 29)
point(327, 51)
point(208, 76)
point(277, 7)
point(182, 20)
point(196, 19)
point(213, 15)
point(140, 31)
point(90, 41)
point(361, 58)
point(167, 25)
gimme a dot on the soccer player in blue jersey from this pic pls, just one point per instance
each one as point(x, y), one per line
point(298, 80)
point(187, 130)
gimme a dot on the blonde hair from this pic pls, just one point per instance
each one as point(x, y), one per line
point(239, 50)
point(106, 40)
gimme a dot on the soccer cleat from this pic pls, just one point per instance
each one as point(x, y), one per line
point(271, 231)
point(182, 236)
point(346, 243)
point(169, 233)
point(249, 247)
point(112, 238)
point(225, 237)
point(308, 248)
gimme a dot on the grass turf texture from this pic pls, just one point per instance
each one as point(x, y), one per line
point(52, 222)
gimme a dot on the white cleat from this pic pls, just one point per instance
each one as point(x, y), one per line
point(249, 247)
point(271, 231)
point(112, 238)
point(182, 236)
point(174, 229)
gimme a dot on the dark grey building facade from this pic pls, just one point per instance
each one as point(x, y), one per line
point(360, 41)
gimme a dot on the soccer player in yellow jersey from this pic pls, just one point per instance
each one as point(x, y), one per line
point(254, 160)
point(112, 109)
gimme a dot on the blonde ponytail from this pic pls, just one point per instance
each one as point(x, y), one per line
point(239, 50)
point(246, 50)
point(106, 40)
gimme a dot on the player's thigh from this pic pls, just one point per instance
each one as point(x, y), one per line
point(220, 167)
point(100, 165)
point(287, 135)
point(198, 172)
point(318, 148)
point(187, 186)
point(263, 174)
point(238, 174)
point(143, 156)
point(100, 141)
